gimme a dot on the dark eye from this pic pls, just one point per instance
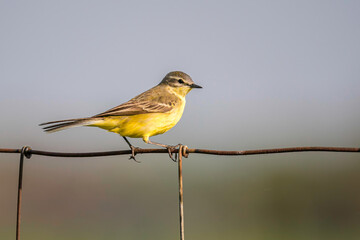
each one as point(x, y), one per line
point(181, 81)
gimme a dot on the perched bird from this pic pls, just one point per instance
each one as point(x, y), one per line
point(151, 113)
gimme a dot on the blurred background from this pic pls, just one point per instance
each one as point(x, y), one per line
point(275, 74)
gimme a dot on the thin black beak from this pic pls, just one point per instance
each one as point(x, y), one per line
point(195, 86)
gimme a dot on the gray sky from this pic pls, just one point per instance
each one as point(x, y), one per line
point(274, 74)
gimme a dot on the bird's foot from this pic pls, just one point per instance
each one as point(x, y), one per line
point(133, 153)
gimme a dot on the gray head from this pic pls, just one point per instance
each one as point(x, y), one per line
point(179, 79)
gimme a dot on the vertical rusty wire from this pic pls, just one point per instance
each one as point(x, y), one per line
point(19, 195)
point(181, 196)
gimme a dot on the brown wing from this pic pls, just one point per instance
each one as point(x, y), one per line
point(151, 101)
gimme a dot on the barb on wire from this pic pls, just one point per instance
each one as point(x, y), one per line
point(29, 151)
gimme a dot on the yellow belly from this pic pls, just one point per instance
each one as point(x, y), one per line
point(141, 125)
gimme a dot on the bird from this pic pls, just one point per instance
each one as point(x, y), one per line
point(150, 113)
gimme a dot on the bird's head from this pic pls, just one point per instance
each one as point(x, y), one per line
point(179, 82)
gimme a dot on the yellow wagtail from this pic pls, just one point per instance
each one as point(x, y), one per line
point(151, 113)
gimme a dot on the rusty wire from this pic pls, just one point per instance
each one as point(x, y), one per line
point(28, 152)
point(19, 195)
point(181, 151)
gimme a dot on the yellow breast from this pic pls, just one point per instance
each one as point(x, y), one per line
point(142, 125)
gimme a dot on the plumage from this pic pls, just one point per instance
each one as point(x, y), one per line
point(152, 101)
point(153, 112)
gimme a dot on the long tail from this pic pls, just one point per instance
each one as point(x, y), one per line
point(69, 123)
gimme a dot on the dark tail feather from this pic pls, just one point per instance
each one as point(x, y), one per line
point(55, 126)
point(63, 121)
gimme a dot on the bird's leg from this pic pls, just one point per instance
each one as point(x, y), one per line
point(132, 150)
point(168, 147)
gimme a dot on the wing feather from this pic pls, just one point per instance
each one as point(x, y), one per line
point(151, 101)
